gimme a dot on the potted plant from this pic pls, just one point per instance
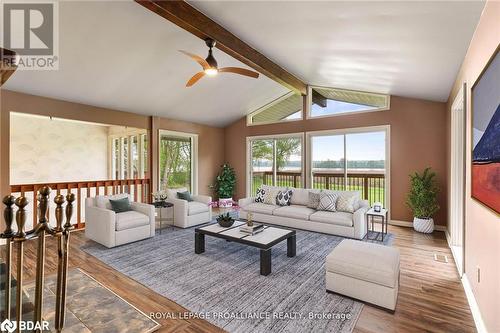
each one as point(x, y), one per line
point(227, 214)
point(224, 186)
point(422, 200)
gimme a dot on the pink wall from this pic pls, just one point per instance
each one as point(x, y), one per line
point(482, 225)
point(418, 140)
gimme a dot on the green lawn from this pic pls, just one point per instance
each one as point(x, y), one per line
point(374, 193)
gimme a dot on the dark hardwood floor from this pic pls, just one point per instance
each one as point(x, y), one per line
point(431, 297)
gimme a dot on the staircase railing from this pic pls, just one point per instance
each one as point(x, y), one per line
point(16, 238)
point(139, 190)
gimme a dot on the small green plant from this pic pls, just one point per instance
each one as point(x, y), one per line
point(224, 218)
point(422, 199)
point(225, 182)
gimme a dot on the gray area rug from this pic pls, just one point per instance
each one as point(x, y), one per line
point(224, 285)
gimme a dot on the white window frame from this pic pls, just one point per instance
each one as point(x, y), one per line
point(309, 104)
point(128, 134)
point(194, 156)
point(276, 101)
point(272, 137)
point(354, 130)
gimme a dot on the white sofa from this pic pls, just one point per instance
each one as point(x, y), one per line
point(111, 229)
point(299, 216)
point(188, 214)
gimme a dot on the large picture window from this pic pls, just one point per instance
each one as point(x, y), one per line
point(285, 108)
point(354, 160)
point(275, 161)
point(326, 102)
point(177, 158)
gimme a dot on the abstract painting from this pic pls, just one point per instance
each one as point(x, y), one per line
point(486, 136)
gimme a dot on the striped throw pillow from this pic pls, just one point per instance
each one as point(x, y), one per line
point(328, 202)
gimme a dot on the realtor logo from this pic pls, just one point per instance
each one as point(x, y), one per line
point(8, 326)
point(31, 30)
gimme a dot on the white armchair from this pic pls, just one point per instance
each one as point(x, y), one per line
point(188, 214)
point(112, 229)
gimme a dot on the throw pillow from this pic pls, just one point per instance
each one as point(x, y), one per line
point(185, 196)
point(328, 202)
point(120, 205)
point(347, 202)
point(300, 196)
point(270, 196)
point(260, 195)
point(283, 198)
point(313, 200)
point(172, 192)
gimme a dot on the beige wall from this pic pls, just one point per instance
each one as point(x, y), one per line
point(482, 226)
point(45, 150)
point(417, 141)
point(43, 106)
point(210, 148)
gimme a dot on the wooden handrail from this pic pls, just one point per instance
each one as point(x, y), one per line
point(140, 190)
point(323, 173)
point(370, 184)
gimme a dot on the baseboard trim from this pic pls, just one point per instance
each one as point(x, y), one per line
point(474, 307)
point(409, 224)
point(448, 239)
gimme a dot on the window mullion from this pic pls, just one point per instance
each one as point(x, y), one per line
point(275, 181)
point(345, 163)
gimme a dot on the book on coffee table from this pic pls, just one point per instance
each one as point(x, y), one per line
point(251, 233)
point(257, 227)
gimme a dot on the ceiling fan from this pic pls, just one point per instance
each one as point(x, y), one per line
point(210, 67)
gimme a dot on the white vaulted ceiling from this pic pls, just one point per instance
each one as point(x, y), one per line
point(119, 55)
point(406, 48)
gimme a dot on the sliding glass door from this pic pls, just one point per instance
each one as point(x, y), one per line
point(262, 168)
point(177, 160)
point(275, 161)
point(365, 156)
point(328, 162)
point(354, 159)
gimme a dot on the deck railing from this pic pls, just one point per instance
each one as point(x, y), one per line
point(370, 184)
point(139, 189)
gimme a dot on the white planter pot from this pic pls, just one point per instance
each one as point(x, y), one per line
point(225, 202)
point(423, 225)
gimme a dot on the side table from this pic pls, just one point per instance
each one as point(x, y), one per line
point(370, 214)
point(164, 204)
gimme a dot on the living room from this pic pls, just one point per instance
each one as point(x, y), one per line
point(366, 144)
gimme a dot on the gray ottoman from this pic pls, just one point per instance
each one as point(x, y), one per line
point(365, 271)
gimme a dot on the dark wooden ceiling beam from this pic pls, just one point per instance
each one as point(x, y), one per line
point(319, 99)
point(7, 64)
point(190, 19)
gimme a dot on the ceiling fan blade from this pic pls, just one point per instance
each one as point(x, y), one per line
point(195, 79)
point(241, 71)
point(197, 58)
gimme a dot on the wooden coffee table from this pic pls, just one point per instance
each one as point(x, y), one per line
point(264, 240)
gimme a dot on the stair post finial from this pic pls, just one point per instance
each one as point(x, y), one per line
point(8, 215)
point(59, 201)
point(21, 203)
point(43, 204)
point(70, 198)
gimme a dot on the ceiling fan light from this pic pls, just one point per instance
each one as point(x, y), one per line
point(211, 71)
